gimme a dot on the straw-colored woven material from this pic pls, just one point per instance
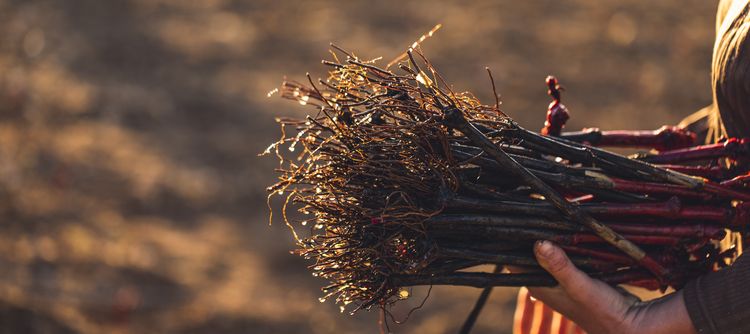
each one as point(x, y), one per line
point(731, 68)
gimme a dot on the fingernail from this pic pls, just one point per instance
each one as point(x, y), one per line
point(544, 248)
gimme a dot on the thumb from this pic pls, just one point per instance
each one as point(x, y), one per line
point(554, 261)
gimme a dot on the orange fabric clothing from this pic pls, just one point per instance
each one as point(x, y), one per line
point(533, 317)
point(731, 67)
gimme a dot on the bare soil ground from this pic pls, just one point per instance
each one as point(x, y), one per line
point(131, 197)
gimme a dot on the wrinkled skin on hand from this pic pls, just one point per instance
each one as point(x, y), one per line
point(599, 308)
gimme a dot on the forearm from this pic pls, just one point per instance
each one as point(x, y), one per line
point(666, 315)
point(719, 302)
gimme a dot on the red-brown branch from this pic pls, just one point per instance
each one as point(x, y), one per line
point(664, 138)
point(729, 149)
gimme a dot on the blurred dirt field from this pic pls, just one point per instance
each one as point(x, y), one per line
point(131, 196)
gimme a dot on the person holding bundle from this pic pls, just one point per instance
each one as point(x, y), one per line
point(717, 302)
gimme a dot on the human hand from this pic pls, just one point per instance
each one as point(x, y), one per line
point(598, 308)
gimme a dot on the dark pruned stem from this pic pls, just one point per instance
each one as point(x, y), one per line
point(463, 222)
point(597, 254)
point(450, 266)
point(484, 232)
point(489, 232)
point(709, 172)
point(478, 280)
point(671, 209)
point(459, 220)
point(608, 160)
point(660, 189)
point(519, 259)
point(483, 280)
point(486, 246)
point(471, 154)
point(688, 231)
point(725, 191)
point(576, 179)
point(575, 239)
point(454, 118)
point(510, 149)
point(709, 189)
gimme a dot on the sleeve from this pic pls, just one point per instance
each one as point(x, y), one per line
point(719, 302)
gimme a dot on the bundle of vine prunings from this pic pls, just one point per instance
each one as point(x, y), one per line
point(402, 182)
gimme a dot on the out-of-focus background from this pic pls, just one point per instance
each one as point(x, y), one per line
point(131, 196)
